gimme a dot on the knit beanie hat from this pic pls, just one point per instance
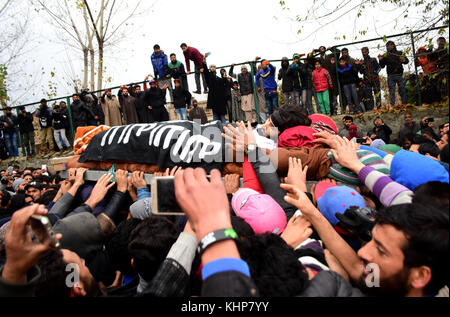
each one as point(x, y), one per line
point(17, 183)
point(345, 175)
point(412, 169)
point(337, 199)
point(377, 143)
point(260, 211)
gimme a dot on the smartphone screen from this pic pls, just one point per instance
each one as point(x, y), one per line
point(163, 197)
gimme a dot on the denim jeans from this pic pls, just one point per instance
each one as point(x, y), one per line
point(271, 101)
point(11, 144)
point(182, 113)
point(61, 139)
point(400, 82)
point(352, 95)
point(219, 117)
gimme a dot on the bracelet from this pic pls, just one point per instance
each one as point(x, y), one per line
point(214, 237)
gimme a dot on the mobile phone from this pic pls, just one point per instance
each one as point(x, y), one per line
point(163, 197)
point(43, 231)
point(360, 140)
point(164, 202)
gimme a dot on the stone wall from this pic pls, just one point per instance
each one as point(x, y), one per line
point(395, 120)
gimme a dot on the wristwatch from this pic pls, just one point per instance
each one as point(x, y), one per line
point(250, 148)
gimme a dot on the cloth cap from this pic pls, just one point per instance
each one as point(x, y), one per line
point(368, 158)
point(17, 183)
point(413, 169)
point(378, 143)
point(260, 211)
point(338, 199)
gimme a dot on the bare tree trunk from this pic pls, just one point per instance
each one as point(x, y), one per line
point(92, 54)
point(86, 67)
point(100, 66)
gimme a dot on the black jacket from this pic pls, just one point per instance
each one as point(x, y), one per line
point(347, 76)
point(393, 63)
point(25, 122)
point(288, 82)
point(11, 121)
point(408, 130)
point(245, 82)
point(59, 121)
point(181, 98)
point(369, 69)
point(216, 94)
point(383, 133)
point(81, 113)
point(298, 74)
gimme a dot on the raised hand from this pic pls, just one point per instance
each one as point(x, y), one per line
point(100, 190)
point(122, 180)
point(138, 180)
point(297, 174)
point(297, 231)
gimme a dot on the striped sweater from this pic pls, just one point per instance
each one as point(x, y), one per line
point(388, 192)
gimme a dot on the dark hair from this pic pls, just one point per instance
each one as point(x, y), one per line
point(183, 44)
point(348, 118)
point(235, 83)
point(156, 46)
point(242, 228)
point(426, 230)
point(344, 49)
point(420, 139)
point(47, 197)
point(274, 266)
point(365, 48)
point(429, 148)
point(117, 247)
point(318, 61)
point(27, 174)
point(8, 108)
point(434, 194)
point(149, 244)
point(6, 198)
point(288, 117)
point(445, 155)
point(52, 282)
point(22, 108)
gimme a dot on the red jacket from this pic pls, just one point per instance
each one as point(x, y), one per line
point(322, 80)
point(194, 55)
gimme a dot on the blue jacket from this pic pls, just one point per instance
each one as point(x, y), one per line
point(159, 62)
point(268, 77)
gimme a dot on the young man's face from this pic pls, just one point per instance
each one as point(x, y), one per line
point(385, 250)
point(317, 65)
point(153, 85)
point(28, 178)
point(156, 50)
point(184, 48)
point(297, 60)
point(235, 86)
point(173, 59)
point(177, 84)
point(137, 89)
point(344, 53)
point(365, 53)
point(35, 193)
point(8, 112)
point(87, 281)
point(125, 92)
point(75, 98)
point(408, 118)
point(21, 187)
point(342, 63)
point(407, 144)
point(36, 173)
point(390, 46)
point(212, 68)
point(348, 123)
point(378, 123)
point(441, 43)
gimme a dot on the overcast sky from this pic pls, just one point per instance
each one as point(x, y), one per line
point(232, 30)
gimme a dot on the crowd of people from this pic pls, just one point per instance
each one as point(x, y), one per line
point(318, 215)
point(316, 77)
point(322, 212)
